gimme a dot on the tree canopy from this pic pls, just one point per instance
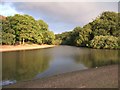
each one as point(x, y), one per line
point(95, 33)
point(24, 28)
point(103, 32)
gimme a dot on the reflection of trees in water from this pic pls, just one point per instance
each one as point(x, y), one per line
point(0, 66)
point(96, 58)
point(24, 65)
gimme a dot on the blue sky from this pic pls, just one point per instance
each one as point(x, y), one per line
point(60, 16)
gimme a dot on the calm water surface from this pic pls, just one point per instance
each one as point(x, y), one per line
point(33, 64)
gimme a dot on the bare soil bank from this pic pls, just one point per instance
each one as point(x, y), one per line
point(103, 77)
point(4, 48)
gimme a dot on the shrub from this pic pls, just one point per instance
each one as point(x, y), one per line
point(104, 42)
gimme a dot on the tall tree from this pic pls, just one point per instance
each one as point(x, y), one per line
point(105, 24)
point(43, 25)
point(8, 34)
point(25, 27)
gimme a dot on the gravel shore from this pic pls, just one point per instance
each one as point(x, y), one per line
point(102, 77)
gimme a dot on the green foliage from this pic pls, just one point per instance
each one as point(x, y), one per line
point(57, 41)
point(119, 41)
point(78, 37)
point(104, 42)
point(8, 38)
point(24, 28)
point(48, 37)
point(105, 24)
point(0, 37)
point(7, 33)
point(103, 32)
point(39, 39)
point(43, 25)
point(83, 37)
point(64, 37)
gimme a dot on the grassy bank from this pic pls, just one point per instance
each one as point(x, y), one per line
point(103, 77)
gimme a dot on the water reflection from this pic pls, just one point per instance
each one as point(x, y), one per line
point(24, 65)
point(33, 64)
point(98, 57)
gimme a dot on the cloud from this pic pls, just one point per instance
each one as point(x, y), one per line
point(7, 9)
point(67, 12)
point(60, 16)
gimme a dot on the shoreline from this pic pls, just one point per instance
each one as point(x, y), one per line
point(102, 77)
point(6, 48)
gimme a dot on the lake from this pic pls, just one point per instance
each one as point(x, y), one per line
point(33, 64)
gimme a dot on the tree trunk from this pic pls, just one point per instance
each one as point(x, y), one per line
point(23, 41)
point(20, 42)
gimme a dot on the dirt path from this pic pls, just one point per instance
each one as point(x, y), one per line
point(4, 48)
point(103, 77)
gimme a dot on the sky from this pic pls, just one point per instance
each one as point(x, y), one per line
point(60, 16)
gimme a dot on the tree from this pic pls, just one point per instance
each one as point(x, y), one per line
point(7, 33)
point(104, 42)
point(83, 38)
point(39, 38)
point(43, 25)
point(48, 37)
point(25, 27)
point(105, 24)
point(8, 39)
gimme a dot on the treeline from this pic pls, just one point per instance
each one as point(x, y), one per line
point(20, 29)
point(103, 32)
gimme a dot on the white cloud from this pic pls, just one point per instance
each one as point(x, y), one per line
point(67, 12)
point(6, 9)
point(60, 16)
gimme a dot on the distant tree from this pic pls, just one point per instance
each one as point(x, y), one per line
point(106, 26)
point(78, 37)
point(57, 41)
point(24, 28)
point(64, 38)
point(83, 38)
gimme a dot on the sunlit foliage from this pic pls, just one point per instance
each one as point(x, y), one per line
point(24, 28)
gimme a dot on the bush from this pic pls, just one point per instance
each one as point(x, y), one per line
point(8, 39)
point(57, 42)
point(104, 42)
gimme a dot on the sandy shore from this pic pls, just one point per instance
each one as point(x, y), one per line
point(4, 48)
point(103, 77)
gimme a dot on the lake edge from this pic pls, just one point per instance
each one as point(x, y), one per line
point(9, 48)
point(56, 80)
